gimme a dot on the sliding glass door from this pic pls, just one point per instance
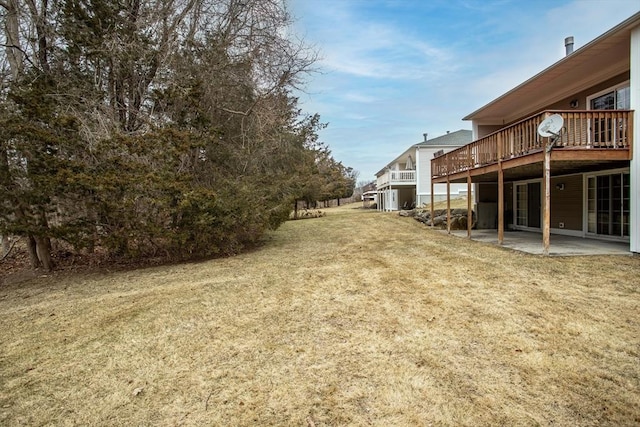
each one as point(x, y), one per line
point(608, 204)
point(528, 203)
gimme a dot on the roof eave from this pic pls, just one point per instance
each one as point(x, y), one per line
point(623, 26)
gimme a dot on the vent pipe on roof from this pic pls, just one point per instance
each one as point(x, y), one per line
point(568, 45)
point(425, 136)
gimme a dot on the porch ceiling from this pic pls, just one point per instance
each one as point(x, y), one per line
point(602, 58)
point(396, 185)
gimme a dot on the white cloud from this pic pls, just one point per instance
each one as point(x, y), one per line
point(385, 83)
point(373, 49)
point(359, 97)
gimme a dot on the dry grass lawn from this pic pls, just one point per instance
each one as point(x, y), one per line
point(455, 203)
point(356, 318)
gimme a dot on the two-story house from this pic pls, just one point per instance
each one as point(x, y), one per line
point(583, 182)
point(406, 180)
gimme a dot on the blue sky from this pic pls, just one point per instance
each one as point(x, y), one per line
point(391, 70)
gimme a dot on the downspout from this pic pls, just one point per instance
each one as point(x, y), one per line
point(634, 83)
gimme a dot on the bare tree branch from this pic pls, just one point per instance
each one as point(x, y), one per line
point(10, 249)
point(26, 56)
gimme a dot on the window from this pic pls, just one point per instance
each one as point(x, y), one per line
point(521, 204)
point(608, 204)
point(528, 199)
point(616, 98)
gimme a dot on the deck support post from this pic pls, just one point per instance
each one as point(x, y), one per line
point(546, 182)
point(448, 206)
point(469, 212)
point(500, 204)
point(432, 202)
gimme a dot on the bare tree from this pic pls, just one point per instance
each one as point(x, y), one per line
point(150, 123)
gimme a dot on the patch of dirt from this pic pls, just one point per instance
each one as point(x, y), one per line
point(16, 267)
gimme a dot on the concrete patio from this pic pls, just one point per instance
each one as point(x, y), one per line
point(530, 242)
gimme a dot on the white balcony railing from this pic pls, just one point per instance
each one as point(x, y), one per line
point(406, 177)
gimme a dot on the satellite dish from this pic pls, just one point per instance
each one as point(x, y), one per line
point(551, 126)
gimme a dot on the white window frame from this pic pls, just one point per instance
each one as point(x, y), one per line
point(515, 205)
point(614, 88)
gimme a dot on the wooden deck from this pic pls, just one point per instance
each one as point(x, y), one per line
point(587, 138)
point(589, 141)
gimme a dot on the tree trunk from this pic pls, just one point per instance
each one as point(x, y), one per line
point(43, 251)
point(43, 244)
point(6, 245)
point(33, 255)
point(12, 28)
point(295, 209)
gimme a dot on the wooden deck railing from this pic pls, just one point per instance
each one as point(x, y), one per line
point(581, 130)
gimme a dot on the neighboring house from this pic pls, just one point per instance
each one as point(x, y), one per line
point(369, 195)
point(369, 199)
point(406, 181)
point(592, 187)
